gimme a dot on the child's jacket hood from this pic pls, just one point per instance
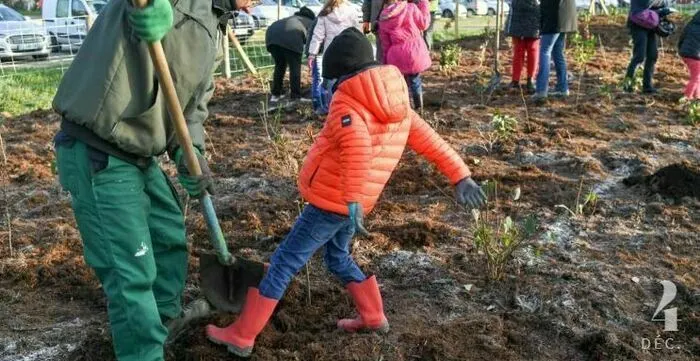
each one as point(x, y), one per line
point(379, 90)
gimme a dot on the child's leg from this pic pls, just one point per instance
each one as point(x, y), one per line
point(338, 258)
point(415, 85)
point(692, 89)
point(316, 81)
point(518, 56)
point(313, 229)
point(533, 54)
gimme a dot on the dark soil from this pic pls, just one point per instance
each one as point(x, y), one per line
point(585, 288)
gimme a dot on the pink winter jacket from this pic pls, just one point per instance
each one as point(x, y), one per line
point(329, 26)
point(401, 27)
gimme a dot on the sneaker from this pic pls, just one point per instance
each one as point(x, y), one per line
point(515, 85)
point(530, 87)
point(650, 90)
point(276, 98)
point(539, 98)
point(560, 94)
point(195, 310)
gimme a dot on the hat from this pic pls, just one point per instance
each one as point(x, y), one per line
point(306, 12)
point(348, 53)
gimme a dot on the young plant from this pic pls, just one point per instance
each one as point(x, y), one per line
point(584, 51)
point(693, 117)
point(450, 58)
point(589, 204)
point(606, 91)
point(504, 125)
point(498, 239)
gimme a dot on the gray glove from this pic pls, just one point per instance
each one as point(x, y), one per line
point(467, 192)
point(357, 218)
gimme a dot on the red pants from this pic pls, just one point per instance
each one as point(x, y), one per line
point(692, 90)
point(531, 46)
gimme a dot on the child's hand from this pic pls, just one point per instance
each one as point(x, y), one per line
point(467, 192)
point(357, 218)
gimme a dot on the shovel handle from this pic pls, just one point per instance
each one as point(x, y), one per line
point(160, 64)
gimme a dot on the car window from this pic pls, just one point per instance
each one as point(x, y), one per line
point(78, 9)
point(7, 14)
point(62, 8)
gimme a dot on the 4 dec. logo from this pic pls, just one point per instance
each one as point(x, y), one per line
point(670, 319)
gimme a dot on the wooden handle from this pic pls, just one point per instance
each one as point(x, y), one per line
point(174, 108)
point(241, 52)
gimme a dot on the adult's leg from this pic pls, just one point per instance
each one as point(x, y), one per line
point(652, 53)
point(167, 227)
point(313, 229)
point(639, 50)
point(546, 46)
point(518, 57)
point(111, 210)
point(558, 53)
point(280, 68)
point(294, 62)
point(428, 33)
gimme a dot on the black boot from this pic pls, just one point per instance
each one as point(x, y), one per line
point(515, 85)
point(530, 86)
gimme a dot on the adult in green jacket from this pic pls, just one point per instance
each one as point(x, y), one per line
point(115, 123)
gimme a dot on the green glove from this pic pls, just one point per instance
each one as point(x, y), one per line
point(152, 22)
point(357, 218)
point(194, 186)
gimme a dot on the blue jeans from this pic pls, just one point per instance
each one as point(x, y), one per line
point(415, 85)
point(314, 228)
point(552, 46)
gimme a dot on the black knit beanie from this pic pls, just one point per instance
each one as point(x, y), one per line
point(348, 53)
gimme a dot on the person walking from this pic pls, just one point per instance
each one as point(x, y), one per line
point(371, 9)
point(285, 40)
point(334, 17)
point(114, 125)
point(689, 49)
point(523, 27)
point(401, 27)
point(645, 47)
point(369, 125)
point(428, 34)
point(557, 18)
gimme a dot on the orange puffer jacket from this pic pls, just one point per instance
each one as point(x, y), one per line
point(368, 126)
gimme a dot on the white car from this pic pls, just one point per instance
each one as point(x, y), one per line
point(67, 21)
point(492, 7)
point(585, 4)
point(266, 11)
point(21, 37)
point(466, 8)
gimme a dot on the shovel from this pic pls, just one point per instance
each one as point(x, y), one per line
point(224, 278)
point(495, 80)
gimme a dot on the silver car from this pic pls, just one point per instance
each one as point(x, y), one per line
point(20, 37)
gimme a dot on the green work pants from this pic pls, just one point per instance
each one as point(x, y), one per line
point(133, 233)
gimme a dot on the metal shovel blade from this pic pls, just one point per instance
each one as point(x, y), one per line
point(226, 286)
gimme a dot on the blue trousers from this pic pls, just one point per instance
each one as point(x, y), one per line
point(415, 85)
point(552, 46)
point(313, 229)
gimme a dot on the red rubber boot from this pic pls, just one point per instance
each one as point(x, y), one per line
point(368, 302)
point(240, 336)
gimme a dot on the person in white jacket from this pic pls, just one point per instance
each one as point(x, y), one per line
point(334, 17)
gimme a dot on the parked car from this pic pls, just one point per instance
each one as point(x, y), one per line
point(266, 11)
point(585, 4)
point(466, 8)
point(67, 21)
point(21, 37)
point(243, 26)
point(492, 7)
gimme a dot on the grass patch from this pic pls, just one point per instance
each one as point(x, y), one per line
point(444, 29)
point(27, 90)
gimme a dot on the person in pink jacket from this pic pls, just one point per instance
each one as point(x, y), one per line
point(401, 27)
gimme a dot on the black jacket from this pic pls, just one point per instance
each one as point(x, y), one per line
point(689, 45)
point(524, 19)
point(558, 16)
point(291, 33)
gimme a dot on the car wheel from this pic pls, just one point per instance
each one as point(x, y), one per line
point(471, 12)
point(491, 12)
point(448, 14)
point(41, 56)
point(54, 44)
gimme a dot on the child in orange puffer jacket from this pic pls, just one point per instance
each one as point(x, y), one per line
point(370, 122)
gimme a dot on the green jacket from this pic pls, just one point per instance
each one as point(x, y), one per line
point(111, 87)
